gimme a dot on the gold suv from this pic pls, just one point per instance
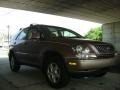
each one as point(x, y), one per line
point(59, 53)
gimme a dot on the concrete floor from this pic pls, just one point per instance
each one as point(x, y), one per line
point(32, 79)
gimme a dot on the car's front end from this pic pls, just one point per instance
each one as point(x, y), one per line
point(91, 57)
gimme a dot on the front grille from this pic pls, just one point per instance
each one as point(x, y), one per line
point(105, 51)
point(105, 48)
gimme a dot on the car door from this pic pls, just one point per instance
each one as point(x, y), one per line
point(20, 45)
point(33, 45)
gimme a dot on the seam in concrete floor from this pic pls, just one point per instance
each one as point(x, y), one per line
point(6, 85)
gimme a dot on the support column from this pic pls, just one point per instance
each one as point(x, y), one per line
point(111, 34)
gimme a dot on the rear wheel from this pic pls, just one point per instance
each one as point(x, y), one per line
point(14, 66)
point(56, 73)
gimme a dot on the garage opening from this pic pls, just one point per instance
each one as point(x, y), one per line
point(29, 78)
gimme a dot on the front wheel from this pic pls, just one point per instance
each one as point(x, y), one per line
point(14, 66)
point(56, 73)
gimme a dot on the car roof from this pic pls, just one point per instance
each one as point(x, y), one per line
point(46, 25)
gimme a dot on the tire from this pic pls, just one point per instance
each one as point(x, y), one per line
point(14, 66)
point(56, 73)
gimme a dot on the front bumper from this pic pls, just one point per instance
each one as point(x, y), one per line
point(89, 65)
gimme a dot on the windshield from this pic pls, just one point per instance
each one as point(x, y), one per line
point(62, 32)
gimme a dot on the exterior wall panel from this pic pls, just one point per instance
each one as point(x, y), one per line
point(111, 34)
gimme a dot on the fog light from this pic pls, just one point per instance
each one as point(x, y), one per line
point(73, 63)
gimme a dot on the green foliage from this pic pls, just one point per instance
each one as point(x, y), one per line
point(95, 34)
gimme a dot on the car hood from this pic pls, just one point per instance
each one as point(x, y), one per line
point(76, 41)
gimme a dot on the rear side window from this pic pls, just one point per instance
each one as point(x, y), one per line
point(22, 35)
point(14, 36)
point(67, 34)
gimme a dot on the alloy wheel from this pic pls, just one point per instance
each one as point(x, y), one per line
point(53, 72)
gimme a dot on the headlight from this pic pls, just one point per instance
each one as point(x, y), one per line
point(79, 49)
point(84, 52)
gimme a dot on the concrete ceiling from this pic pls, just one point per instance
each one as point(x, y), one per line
point(101, 11)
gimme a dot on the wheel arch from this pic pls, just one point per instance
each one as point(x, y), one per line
point(51, 53)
